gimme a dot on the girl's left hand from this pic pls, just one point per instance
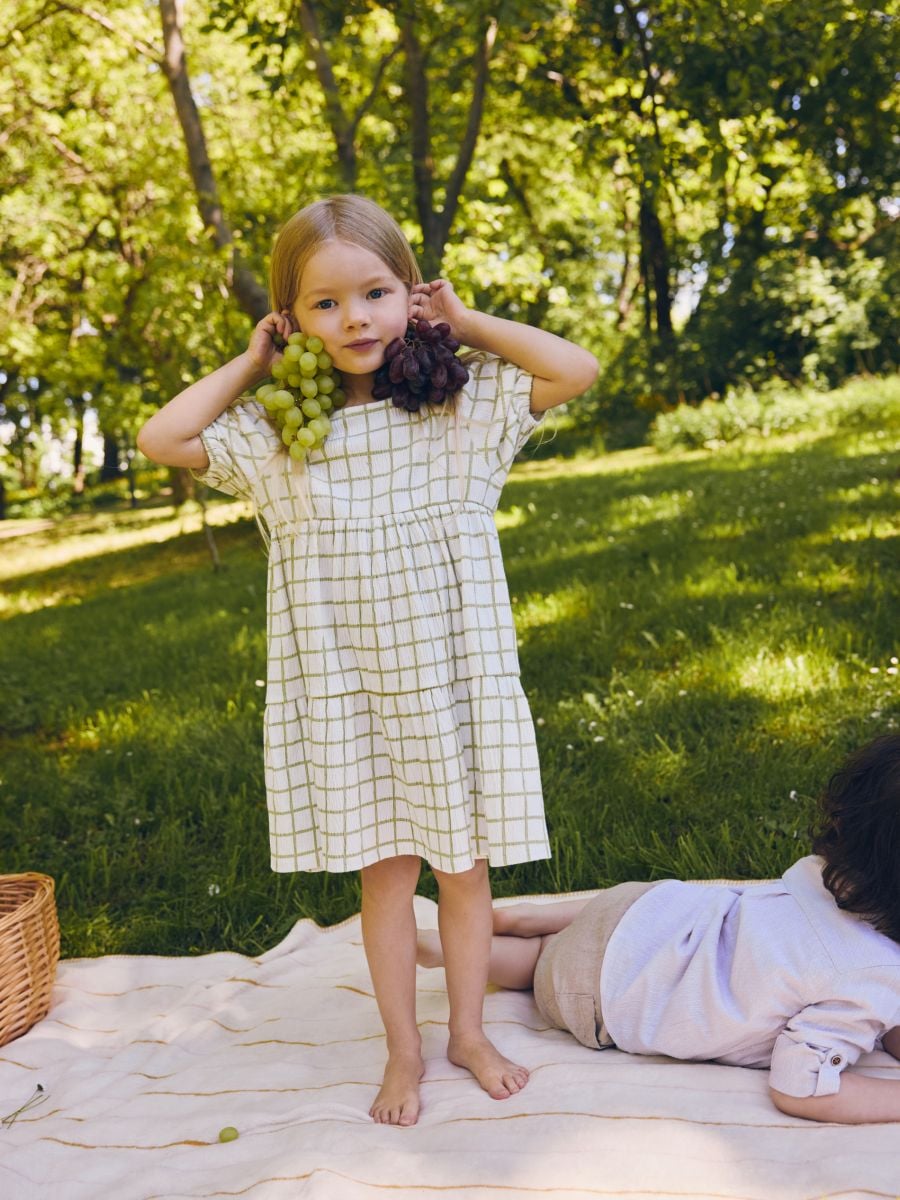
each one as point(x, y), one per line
point(435, 302)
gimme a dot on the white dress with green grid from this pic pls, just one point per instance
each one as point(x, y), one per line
point(395, 719)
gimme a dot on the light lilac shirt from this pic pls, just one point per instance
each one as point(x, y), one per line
point(758, 975)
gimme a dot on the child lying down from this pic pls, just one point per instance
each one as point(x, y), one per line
point(800, 975)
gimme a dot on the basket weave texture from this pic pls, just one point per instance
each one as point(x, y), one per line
point(29, 951)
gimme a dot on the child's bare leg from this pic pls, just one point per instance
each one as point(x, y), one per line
point(529, 919)
point(512, 959)
point(464, 917)
point(389, 936)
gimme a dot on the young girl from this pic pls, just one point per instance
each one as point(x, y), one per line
point(801, 975)
point(396, 725)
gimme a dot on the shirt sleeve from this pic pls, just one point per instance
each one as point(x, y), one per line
point(497, 398)
point(238, 444)
point(819, 1042)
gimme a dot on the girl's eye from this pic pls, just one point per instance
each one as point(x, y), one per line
point(324, 303)
point(377, 293)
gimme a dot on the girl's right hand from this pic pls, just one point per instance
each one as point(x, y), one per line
point(261, 349)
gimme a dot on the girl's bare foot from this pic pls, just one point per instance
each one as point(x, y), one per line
point(499, 1077)
point(429, 951)
point(397, 1103)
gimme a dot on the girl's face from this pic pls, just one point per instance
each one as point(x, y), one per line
point(351, 299)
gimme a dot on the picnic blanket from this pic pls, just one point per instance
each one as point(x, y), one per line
point(144, 1059)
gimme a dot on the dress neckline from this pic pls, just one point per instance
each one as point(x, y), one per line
point(372, 404)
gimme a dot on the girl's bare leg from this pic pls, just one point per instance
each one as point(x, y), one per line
point(465, 919)
point(389, 936)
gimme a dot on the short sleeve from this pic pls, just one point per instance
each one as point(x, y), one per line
point(818, 1043)
point(238, 444)
point(497, 398)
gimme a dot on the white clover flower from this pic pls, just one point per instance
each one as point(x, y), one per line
point(214, 889)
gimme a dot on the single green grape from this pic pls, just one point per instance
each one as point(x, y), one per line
point(297, 451)
point(292, 352)
point(339, 397)
point(315, 344)
point(326, 384)
point(297, 339)
point(295, 379)
point(287, 434)
point(311, 407)
point(324, 360)
point(306, 437)
point(320, 426)
point(309, 364)
point(282, 398)
point(293, 416)
point(279, 370)
point(228, 1134)
point(326, 402)
point(308, 386)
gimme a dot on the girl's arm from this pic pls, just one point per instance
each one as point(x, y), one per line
point(561, 369)
point(172, 435)
point(861, 1100)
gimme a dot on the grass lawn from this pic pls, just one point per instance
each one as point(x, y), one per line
point(702, 636)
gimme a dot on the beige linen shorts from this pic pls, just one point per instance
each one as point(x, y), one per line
point(567, 975)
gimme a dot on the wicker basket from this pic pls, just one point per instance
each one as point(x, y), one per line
point(29, 951)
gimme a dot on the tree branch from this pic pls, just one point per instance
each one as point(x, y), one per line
point(342, 128)
point(251, 296)
point(369, 99)
point(416, 82)
point(470, 138)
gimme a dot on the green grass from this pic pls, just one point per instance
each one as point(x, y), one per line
point(702, 636)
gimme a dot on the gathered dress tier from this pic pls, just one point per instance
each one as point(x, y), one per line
point(395, 718)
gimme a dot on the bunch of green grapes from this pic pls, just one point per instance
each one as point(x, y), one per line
point(305, 390)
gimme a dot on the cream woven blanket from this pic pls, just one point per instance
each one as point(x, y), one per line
point(143, 1060)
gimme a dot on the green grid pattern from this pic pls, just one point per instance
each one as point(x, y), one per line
point(395, 719)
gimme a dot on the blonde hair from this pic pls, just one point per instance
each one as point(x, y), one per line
point(351, 219)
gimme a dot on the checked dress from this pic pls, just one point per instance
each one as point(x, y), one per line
point(395, 718)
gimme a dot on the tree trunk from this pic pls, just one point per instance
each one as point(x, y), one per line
point(78, 450)
point(656, 257)
point(111, 468)
point(342, 129)
point(436, 225)
point(250, 294)
point(182, 483)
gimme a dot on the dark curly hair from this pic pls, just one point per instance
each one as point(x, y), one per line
point(859, 834)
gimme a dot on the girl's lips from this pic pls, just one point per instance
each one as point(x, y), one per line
point(363, 344)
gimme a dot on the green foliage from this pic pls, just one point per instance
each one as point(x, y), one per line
point(779, 409)
point(730, 172)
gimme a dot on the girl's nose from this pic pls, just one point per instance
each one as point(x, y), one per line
point(355, 314)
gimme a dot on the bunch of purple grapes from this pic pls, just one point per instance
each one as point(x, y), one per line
point(421, 368)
